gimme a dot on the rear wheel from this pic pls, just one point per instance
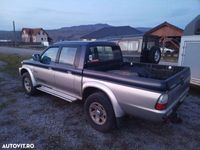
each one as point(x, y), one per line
point(99, 112)
point(27, 84)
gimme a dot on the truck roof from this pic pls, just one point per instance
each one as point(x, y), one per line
point(84, 43)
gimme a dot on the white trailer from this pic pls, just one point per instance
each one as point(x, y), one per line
point(189, 54)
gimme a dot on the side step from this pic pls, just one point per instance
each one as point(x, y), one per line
point(57, 94)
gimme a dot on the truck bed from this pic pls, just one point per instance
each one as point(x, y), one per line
point(150, 76)
point(159, 72)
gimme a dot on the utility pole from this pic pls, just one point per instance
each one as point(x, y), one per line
point(14, 34)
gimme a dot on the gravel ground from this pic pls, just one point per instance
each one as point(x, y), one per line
point(51, 123)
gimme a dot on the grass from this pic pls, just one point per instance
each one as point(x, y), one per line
point(13, 63)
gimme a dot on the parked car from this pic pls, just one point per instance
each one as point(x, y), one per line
point(167, 51)
point(95, 73)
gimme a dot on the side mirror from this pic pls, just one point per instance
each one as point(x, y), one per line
point(36, 57)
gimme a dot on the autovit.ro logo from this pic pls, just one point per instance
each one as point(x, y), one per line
point(18, 146)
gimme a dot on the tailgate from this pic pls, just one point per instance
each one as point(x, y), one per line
point(180, 78)
point(178, 85)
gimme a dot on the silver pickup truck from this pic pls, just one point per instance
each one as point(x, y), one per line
point(95, 73)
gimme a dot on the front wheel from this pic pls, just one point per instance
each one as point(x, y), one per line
point(99, 112)
point(27, 84)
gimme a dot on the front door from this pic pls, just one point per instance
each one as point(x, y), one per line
point(42, 71)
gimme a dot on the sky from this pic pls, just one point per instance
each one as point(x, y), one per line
point(53, 14)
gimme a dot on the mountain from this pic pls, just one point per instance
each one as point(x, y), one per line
point(9, 35)
point(112, 32)
point(143, 29)
point(74, 32)
point(65, 33)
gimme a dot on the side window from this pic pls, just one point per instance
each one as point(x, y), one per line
point(104, 53)
point(108, 53)
point(67, 55)
point(50, 55)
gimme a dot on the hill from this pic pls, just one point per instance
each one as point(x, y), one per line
point(74, 32)
point(65, 33)
point(143, 29)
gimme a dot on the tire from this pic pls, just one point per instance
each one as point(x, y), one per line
point(99, 112)
point(154, 55)
point(27, 84)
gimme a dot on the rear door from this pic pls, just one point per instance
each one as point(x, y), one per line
point(67, 76)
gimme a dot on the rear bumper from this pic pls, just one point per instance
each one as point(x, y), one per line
point(158, 115)
point(165, 114)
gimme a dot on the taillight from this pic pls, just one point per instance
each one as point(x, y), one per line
point(162, 102)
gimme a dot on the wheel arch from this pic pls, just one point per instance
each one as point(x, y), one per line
point(28, 70)
point(91, 87)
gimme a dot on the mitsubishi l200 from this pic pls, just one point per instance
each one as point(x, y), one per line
point(95, 73)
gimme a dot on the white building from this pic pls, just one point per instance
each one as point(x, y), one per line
point(34, 35)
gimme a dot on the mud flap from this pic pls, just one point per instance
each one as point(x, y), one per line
point(174, 117)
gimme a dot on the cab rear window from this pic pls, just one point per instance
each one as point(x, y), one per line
point(104, 53)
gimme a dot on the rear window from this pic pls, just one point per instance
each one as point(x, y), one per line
point(104, 53)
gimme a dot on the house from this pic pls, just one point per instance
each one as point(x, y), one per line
point(110, 32)
point(133, 41)
point(193, 28)
point(128, 38)
point(169, 35)
point(33, 35)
